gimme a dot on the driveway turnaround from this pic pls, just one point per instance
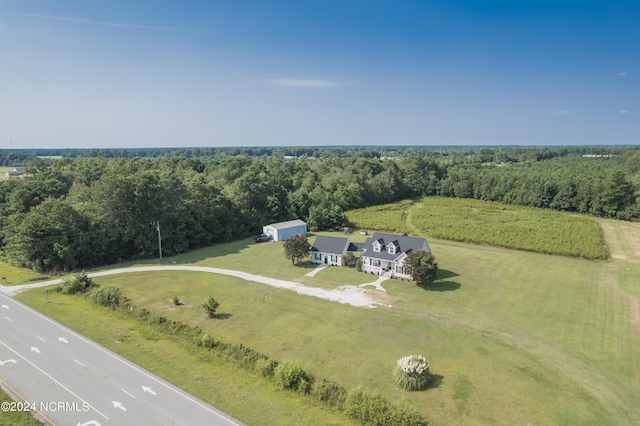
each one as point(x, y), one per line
point(68, 379)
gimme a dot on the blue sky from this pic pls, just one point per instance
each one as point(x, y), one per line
point(84, 74)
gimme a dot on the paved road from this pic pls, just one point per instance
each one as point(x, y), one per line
point(71, 380)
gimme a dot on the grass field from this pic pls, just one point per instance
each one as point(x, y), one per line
point(513, 337)
point(483, 222)
point(15, 418)
point(14, 275)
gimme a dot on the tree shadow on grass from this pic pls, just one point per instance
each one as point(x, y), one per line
point(443, 274)
point(441, 286)
point(223, 315)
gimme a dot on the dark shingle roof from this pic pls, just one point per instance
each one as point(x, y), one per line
point(355, 247)
point(403, 243)
point(330, 244)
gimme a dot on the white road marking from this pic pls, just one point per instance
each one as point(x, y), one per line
point(177, 391)
point(119, 405)
point(13, 361)
point(10, 320)
point(149, 390)
point(62, 339)
point(34, 349)
point(40, 338)
point(54, 380)
point(5, 307)
point(127, 393)
point(78, 362)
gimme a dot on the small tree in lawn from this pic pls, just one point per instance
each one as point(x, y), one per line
point(422, 266)
point(211, 306)
point(296, 248)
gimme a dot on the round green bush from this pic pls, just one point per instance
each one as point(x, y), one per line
point(106, 296)
point(288, 375)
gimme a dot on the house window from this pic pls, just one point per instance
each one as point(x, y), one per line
point(391, 249)
point(375, 262)
point(376, 247)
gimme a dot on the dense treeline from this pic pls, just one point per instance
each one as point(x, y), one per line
point(72, 214)
point(19, 157)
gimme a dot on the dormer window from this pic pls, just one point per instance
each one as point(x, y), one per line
point(391, 248)
point(377, 246)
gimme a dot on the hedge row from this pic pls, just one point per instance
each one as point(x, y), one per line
point(365, 407)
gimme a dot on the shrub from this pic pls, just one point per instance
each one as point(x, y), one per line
point(288, 375)
point(244, 355)
point(412, 373)
point(206, 341)
point(329, 393)
point(79, 284)
point(176, 301)
point(106, 296)
point(211, 306)
point(265, 367)
point(375, 410)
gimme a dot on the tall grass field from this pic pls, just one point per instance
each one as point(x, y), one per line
point(512, 337)
point(484, 222)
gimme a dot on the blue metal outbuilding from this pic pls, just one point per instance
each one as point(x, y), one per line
point(282, 230)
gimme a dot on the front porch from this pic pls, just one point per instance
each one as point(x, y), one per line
point(378, 267)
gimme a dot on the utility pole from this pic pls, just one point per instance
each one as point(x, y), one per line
point(159, 240)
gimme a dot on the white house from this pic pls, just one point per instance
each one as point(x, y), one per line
point(16, 171)
point(282, 230)
point(329, 250)
point(386, 253)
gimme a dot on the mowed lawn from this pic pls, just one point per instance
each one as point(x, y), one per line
point(13, 275)
point(513, 337)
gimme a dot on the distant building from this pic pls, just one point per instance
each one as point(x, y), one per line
point(282, 230)
point(17, 171)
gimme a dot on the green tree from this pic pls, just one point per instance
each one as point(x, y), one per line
point(422, 266)
point(47, 238)
point(618, 194)
point(296, 248)
point(211, 307)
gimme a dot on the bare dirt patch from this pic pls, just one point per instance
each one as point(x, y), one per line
point(623, 239)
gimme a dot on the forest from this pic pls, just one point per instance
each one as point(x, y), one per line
point(76, 209)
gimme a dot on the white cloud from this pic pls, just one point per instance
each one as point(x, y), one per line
point(561, 112)
point(296, 82)
point(623, 74)
point(624, 111)
point(92, 22)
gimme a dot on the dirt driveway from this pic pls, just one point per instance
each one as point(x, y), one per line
point(347, 294)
